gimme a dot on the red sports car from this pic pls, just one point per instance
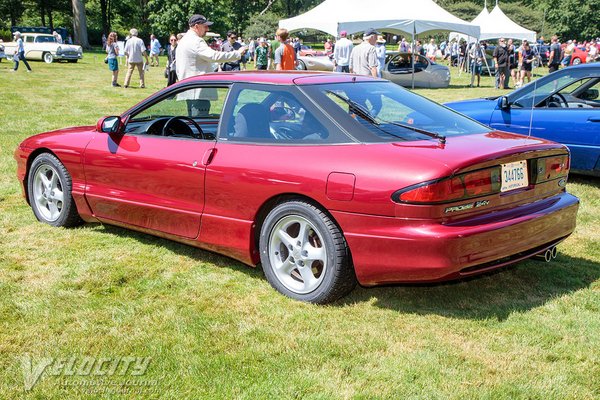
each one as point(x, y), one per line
point(324, 179)
point(310, 52)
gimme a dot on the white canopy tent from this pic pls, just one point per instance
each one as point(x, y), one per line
point(497, 25)
point(393, 16)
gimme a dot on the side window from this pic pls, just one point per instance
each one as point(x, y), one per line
point(196, 103)
point(277, 116)
point(29, 39)
point(197, 111)
point(421, 62)
point(581, 93)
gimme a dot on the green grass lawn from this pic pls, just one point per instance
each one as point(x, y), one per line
point(214, 328)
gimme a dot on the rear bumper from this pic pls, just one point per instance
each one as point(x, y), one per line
point(393, 250)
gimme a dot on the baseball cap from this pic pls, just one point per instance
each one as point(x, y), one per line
point(370, 32)
point(343, 33)
point(199, 19)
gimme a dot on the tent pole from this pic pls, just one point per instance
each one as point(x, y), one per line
point(412, 55)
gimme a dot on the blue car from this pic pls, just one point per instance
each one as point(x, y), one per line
point(563, 106)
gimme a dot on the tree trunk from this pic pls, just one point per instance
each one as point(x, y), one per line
point(105, 19)
point(50, 21)
point(80, 24)
point(42, 14)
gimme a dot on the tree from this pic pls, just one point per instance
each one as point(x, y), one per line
point(263, 25)
point(13, 9)
point(574, 19)
point(466, 10)
point(80, 24)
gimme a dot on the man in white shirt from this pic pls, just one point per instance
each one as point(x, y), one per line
point(341, 53)
point(135, 50)
point(194, 57)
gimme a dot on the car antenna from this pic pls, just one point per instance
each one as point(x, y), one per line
point(532, 107)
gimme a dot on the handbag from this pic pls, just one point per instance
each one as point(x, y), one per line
point(106, 60)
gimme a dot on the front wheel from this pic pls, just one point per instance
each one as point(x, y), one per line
point(304, 254)
point(49, 191)
point(577, 61)
point(48, 58)
point(301, 66)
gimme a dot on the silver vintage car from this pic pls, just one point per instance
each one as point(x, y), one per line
point(398, 69)
point(42, 46)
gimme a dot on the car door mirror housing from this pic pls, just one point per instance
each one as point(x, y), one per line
point(503, 103)
point(590, 94)
point(109, 125)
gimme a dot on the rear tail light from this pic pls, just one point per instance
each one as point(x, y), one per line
point(465, 186)
point(550, 168)
point(479, 183)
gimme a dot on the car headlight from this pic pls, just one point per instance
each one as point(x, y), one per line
point(58, 50)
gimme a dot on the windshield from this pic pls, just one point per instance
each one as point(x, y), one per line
point(537, 91)
point(390, 113)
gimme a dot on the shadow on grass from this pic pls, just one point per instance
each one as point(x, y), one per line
point(180, 249)
point(585, 180)
point(495, 295)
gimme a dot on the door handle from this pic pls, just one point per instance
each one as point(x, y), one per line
point(208, 156)
point(594, 119)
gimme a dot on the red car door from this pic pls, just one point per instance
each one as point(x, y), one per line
point(152, 175)
point(150, 182)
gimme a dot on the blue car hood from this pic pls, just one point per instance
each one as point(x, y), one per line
point(479, 109)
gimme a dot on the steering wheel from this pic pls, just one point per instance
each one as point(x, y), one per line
point(168, 130)
point(282, 113)
point(561, 101)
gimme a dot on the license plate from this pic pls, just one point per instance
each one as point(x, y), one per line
point(514, 176)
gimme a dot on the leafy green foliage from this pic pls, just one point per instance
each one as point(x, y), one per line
point(574, 19)
point(263, 25)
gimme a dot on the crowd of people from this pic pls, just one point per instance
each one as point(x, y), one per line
point(190, 54)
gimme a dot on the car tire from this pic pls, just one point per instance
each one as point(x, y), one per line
point(576, 61)
point(304, 254)
point(301, 66)
point(49, 188)
point(48, 58)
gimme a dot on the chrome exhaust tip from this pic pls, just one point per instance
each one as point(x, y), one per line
point(547, 255)
point(554, 252)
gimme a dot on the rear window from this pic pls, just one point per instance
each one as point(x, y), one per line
point(384, 111)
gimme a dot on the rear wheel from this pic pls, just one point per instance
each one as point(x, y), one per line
point(301, 66)
point(49, 191)
point(48, 58)
point(304, 255)
point(576, 61)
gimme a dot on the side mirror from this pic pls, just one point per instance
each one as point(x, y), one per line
point(591, 94)
point(109, 125)
point(503, 103)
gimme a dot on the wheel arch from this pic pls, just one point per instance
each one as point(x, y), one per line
point(274, 201)
point(30, 159)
